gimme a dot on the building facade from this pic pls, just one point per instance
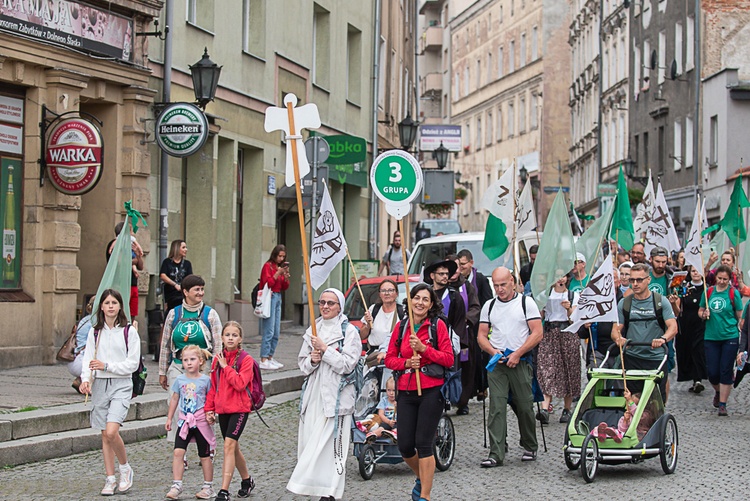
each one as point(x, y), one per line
point(81, 59)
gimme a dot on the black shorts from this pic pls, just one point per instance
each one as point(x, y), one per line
point(204, 449)
point(232, 424)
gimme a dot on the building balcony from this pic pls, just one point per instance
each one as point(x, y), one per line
point(431, 39)
point(431, 85)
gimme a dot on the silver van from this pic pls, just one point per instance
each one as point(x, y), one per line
point(431, 249)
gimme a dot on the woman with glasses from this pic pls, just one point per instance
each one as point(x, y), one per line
point(380, 318)
point(325, 407)
point(721, 338)
point(418, 416)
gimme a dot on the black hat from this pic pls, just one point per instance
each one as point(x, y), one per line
point(451, 265)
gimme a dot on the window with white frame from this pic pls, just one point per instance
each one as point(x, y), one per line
point(678, 46)
point(499, 125)
point(467, 146)
point(354, 64)
point(466, 80)
point(479, 73)
point(688, 142)
point(321, 67)
point(534, 43)
point(254, 27)
point(523, 50)
point(534, 113)
point(522, 115)
point(201, 13)
point(489, 67)
point(662, 63)
point(690, 43)
point(636, 70)
point(478, 144)
point(456, 85)
point(713, 152)
point(677, 146)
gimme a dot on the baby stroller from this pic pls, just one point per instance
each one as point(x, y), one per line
point(602, 402)
point(384, 450)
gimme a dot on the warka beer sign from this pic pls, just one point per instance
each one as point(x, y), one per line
point(74, 155)
point(181, 129)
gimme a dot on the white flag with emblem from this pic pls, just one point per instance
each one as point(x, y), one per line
point(525, 217)
point(329, 246)
point(644, 210)
point(661, 232)
point(693, 255)
point(498, 199)
point(598, 302)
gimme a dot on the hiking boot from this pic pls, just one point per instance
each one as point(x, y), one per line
point(565, 416)
point(698, 387)
point(223, 496)
point(723, 410)
point(206, 492)
point(246, 488)
point(716, 400)
point(109, 486)
point(543, 416)
point(174, 492)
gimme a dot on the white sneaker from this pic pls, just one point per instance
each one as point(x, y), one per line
point(266, 365)
point(109, 486)
point(277, 365)
point(126, 479)
point(174, 492)
point(206, 492)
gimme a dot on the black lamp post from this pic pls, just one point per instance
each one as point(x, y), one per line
point(205, 79)
point(440, 154)
point(407, 132)
point(630, 171)
point(523, 172)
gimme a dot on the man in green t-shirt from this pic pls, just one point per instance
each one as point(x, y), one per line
point(580, 280)
point(643, 326)
point(660, 276)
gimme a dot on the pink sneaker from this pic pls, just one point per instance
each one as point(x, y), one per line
point(613, 434)
point(601, 432)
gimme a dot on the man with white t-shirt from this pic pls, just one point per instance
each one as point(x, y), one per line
point(516, 325)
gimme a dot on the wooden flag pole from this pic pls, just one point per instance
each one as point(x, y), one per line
point(703, 265)
point(516, 268)
point(356, 279)
point(408, 299)
point(301, 214)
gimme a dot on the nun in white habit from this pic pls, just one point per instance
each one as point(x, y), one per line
point(326, 407)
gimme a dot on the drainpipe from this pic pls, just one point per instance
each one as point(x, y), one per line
point(696, 122)
point(599, 138)
point(164, 159)
point(373, 219)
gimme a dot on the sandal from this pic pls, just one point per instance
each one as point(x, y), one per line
point(528, 456)
point(490, 463)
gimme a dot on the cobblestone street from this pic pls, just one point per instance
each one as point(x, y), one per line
point(712, 459)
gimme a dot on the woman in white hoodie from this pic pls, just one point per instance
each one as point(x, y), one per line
point(113, 351)
point(326, 406)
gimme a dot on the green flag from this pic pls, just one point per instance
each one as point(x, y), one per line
point(495, 239)
point(622, 221)
point(733, 222)
point(556, 253)
point(590, 243)
point(718, 244)
point(498, 200)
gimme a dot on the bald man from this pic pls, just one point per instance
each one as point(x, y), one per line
point(516, 327)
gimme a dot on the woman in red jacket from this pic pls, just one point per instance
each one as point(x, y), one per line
point(228, 398)
point(275, 273)
point(418, 417)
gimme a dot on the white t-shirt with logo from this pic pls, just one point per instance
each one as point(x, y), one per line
point(507, 322)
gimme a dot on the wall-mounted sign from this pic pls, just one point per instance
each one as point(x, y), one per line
point(430, 137)
point(74, 155)
point(11, 139)
point(71, 24)
point(11, 110)
point(181, 129)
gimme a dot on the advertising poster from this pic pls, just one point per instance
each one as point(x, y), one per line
point(10, 216)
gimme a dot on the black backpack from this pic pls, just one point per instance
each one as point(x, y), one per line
point(254, 294)
point(399, 310)
point(434, 340)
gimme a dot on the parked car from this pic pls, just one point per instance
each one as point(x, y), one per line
point(431, 227)
point(353, 307)
point(429, 250)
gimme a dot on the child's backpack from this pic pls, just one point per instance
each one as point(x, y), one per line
point(140, 374)
point(255, 391)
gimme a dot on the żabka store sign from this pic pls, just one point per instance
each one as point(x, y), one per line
point(74, 156)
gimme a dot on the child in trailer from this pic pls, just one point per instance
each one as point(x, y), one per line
point(229, 401)
point(605, 431)
point(189, 397)
point(386, 413)
point(112, 354)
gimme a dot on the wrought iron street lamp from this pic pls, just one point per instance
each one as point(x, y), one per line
point(630, 171)
point(205, 75)
point(440, 154)
point(407, 132)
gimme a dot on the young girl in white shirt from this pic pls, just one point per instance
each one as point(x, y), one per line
point(113, 352)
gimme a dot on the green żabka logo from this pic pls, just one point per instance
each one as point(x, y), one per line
point(181, 129)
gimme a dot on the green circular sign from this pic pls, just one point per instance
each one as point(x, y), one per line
point(181, 129)
point(396, 179)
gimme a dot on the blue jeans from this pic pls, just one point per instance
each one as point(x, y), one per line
point(270, 327)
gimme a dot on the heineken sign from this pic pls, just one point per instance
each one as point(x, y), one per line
point(74, 156)
point(181, 129)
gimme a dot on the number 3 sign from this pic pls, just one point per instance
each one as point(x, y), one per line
point(396, 179)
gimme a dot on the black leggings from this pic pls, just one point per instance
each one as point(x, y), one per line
point(232, 424)
point(204, 449)
point(418, 419)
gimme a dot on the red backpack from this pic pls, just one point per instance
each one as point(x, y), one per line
point(255, 392)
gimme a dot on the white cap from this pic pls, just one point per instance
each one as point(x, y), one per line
point(580, 257)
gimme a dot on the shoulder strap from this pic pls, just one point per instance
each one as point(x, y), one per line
point(571, 296)
point(400, 311)
point(125, 334)
point(390, 253)
point(708, 294)
point(375, 309)
point(658, 311)
point(177, 315)
point(523, 306)
point(492, 305)
point(627, 304)
point(205, 311)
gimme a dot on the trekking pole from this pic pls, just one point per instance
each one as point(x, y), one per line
point(541, 425)
point(484, 420)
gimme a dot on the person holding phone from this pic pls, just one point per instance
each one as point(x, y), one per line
point(275, 273)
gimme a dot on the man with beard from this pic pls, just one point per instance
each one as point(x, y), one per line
point(393, 261)
point(660, 277)
point(472, 308)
